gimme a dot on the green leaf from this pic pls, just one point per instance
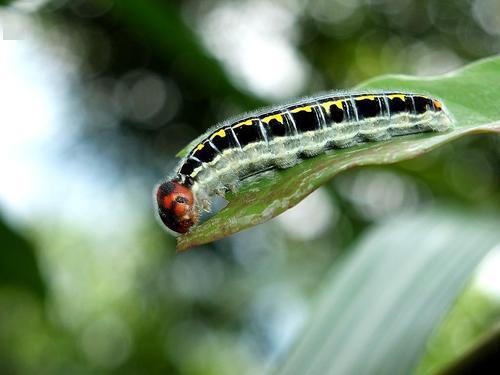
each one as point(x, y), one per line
point(375, 315)
point(471, 95)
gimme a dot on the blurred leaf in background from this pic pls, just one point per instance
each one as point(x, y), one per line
point(18, 263)
point(375, 313)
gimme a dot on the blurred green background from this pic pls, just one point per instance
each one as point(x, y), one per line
point(96, 98)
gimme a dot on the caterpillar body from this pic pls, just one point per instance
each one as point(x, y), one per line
point(281, 137)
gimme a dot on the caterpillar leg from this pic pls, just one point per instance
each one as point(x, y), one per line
point(377, 136)
point(286, 162)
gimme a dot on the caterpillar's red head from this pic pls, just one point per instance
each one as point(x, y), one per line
point(176, 206)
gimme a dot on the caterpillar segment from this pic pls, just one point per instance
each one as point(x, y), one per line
point(281, 137)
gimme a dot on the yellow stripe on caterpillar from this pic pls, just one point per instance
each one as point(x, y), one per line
point(300, 109)
point(369, 97)
point(278, 117)
point(399, 96)
point(221, 133)
point(327, 105)
point(247, 122)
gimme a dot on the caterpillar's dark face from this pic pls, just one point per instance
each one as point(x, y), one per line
point(176, 206)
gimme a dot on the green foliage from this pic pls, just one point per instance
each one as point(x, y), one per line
point(469, 94)
point(376, 312)
point(161, 24)
point(18, 265)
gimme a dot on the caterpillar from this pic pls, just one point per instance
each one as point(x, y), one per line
point(281, 137)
